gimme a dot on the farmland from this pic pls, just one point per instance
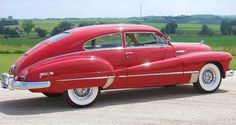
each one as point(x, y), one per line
point(11, 48)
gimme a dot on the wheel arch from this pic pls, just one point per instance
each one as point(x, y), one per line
point(219, 65)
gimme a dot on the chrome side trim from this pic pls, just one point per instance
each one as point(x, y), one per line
point(180, 51)
point(229, 73)
point(190, 72)
point(78, 79)
point(110, 80)
point(159, 74)
point(155, 74)
point(194, 78)
point(44, 74)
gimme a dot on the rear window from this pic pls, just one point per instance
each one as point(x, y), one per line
point(58, 37)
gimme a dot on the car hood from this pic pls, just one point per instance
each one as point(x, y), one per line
point(37, 53)
point(189, 47)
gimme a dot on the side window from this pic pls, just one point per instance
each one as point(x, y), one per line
point(140, 39)
point(107, 41)
point(160, 40)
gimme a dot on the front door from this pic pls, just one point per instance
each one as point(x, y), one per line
point(150, 60)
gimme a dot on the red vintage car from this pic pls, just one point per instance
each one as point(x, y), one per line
point(78, 63)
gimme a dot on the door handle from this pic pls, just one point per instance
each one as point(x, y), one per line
point(129, 53)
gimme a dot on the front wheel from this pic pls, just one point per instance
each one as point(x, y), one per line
point(209, 79)
point(82, 97)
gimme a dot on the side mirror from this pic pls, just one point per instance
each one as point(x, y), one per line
point(169, 38)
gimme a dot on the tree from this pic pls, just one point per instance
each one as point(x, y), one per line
point(170, 28)
point(27, 26)
point(225, 27)
point(233, 23)
point(205, 31)
point(13, 33)
point(63, 26)
point(8, 32)
point(41, 32)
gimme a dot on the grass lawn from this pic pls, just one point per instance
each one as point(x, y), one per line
point(6, 60)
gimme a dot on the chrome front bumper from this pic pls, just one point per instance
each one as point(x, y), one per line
point(8, 82)
point(229, 73)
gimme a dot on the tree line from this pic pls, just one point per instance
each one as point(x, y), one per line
point(226, 27)
point(5, 22)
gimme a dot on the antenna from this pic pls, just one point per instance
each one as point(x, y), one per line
point(141, 11)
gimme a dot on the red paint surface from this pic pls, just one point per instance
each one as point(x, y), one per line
point(67, 59)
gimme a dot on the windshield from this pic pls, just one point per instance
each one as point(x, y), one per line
point(58, 37)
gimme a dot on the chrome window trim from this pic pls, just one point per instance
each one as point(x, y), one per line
point(121, 40)
point(154, 34)
point(143, 47)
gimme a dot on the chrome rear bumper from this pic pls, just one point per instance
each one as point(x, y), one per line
point(229, 73)
point(8, 82)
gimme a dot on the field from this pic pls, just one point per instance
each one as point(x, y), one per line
point(6, 60)
point(11, 48)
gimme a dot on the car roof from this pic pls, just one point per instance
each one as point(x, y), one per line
point(97, 30)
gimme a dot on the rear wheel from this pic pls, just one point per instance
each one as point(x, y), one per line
point(209, 79)
point(82, 97)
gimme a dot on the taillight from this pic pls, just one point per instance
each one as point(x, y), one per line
point(12, 69)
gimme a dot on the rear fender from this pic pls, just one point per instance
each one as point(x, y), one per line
point(72, 73)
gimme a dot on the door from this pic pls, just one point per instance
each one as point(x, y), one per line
point(150, 60)
point(110, 48)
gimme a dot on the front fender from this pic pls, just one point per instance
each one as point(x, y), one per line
point(195, 61)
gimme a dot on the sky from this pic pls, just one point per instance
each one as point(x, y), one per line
point(112, 8)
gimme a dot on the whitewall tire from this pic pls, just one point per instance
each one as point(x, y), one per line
point(82, 97)
point(209, 78)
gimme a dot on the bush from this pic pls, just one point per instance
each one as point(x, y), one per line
point(7, 32)
point(206, 31)
point(170, 28)
point(63, 26)
point(41, 32)
point(27, 26)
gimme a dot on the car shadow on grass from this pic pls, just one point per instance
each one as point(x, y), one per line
point(42, 105)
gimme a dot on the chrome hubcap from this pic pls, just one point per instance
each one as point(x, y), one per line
point(208, 77)
point(83, 92)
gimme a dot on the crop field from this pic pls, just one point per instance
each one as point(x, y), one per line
point(11, 48)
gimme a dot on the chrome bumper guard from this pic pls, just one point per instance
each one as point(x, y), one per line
point(229, 73)
point(8, 82)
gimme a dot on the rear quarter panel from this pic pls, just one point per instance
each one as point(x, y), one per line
point(71, 67)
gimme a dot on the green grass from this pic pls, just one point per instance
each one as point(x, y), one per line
point(233, 63)
point(219, 43)
point(18, 45)
point(6, 60)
